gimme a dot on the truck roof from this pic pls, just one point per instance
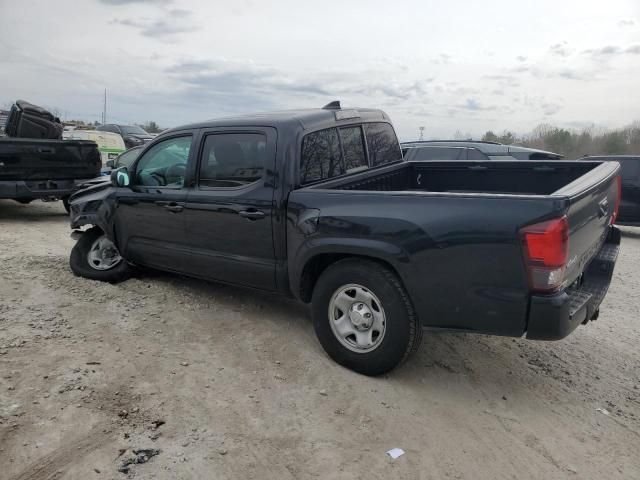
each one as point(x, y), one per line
point(330, 115)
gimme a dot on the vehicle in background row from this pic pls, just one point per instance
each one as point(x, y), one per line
point(133, 135)
point(42, 166)
point(471, 150)
point(630, 174)
point(110, 145)
point(319, 205)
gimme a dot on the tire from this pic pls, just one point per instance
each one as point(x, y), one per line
point(65, 203)
point(400, 335)
point(81, 266)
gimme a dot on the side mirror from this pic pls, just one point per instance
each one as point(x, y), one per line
point(110, 163)
point(120, 177)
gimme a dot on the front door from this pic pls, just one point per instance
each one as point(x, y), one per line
point(229, 210)
point(150, 224)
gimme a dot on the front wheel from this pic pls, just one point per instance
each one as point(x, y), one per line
point(94, 256)
point(363, 316)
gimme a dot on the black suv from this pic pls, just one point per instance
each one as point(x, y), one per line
point(471, 150)
point(133, 135)
point(629, 213)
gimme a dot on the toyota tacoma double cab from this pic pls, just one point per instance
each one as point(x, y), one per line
point(319, 205)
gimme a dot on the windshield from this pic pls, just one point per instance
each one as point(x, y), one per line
point(133, 130)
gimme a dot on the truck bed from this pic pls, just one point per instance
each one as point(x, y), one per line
point(497, 177)
point(452, 231)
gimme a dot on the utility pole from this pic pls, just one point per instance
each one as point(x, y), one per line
point(104, 109)
point(421, 133)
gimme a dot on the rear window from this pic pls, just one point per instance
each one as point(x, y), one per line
point(383, 144)
point(353, 148)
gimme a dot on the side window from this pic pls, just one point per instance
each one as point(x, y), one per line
point(320, 156)
point(383, 144)
point(475, 154)
point(232, 159)
point(439, 153)
point(127, 158)
point(164, 164)
point(353, 148)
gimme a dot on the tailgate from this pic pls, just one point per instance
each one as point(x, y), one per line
point(593, 199)
point(28, 159)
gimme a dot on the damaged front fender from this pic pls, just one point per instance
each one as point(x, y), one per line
point(94, 206)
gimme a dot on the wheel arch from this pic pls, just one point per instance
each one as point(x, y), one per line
point(319, 259)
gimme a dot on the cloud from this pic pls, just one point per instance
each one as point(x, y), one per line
point(609, 51)
point(177, 21)
point(626, 23)
point(561, 49)
point(249, 86)
point(550, 108)
point(521, 58)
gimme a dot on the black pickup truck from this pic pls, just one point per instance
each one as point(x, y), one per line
point(319, 205)
point(36, 164)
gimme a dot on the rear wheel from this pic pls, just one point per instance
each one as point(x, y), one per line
point(94, 256)
point(363, 317)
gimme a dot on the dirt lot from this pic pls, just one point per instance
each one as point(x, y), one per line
point(89, 372)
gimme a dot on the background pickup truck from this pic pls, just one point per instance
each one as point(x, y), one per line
point(42, 166)
point(319, 205)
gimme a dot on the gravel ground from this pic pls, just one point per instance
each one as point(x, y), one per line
point(198, 380)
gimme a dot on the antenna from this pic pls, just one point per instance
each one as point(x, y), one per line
point(335, 105)
point(421, 133)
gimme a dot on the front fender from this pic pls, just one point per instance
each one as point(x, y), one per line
point(94, 207)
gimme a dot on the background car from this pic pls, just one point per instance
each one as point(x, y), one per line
point(629, 213)
point(110, 145)
point(471, 150)
point(133, 135)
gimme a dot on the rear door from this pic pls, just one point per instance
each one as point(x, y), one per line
point(149, 220)
point(229, 209)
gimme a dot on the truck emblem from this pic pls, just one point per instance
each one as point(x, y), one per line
point(604, 207)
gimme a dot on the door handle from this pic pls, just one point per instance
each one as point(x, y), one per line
point(251, 214)
point(171, 206)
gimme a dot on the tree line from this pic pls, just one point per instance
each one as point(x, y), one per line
point(574, 143)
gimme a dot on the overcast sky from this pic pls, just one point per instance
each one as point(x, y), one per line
point(448, 65)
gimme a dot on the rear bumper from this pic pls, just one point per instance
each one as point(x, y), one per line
point(19, 189)
point(552, 317)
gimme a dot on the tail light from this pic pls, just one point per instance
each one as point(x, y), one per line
point(546, 251)
point(614, 216)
